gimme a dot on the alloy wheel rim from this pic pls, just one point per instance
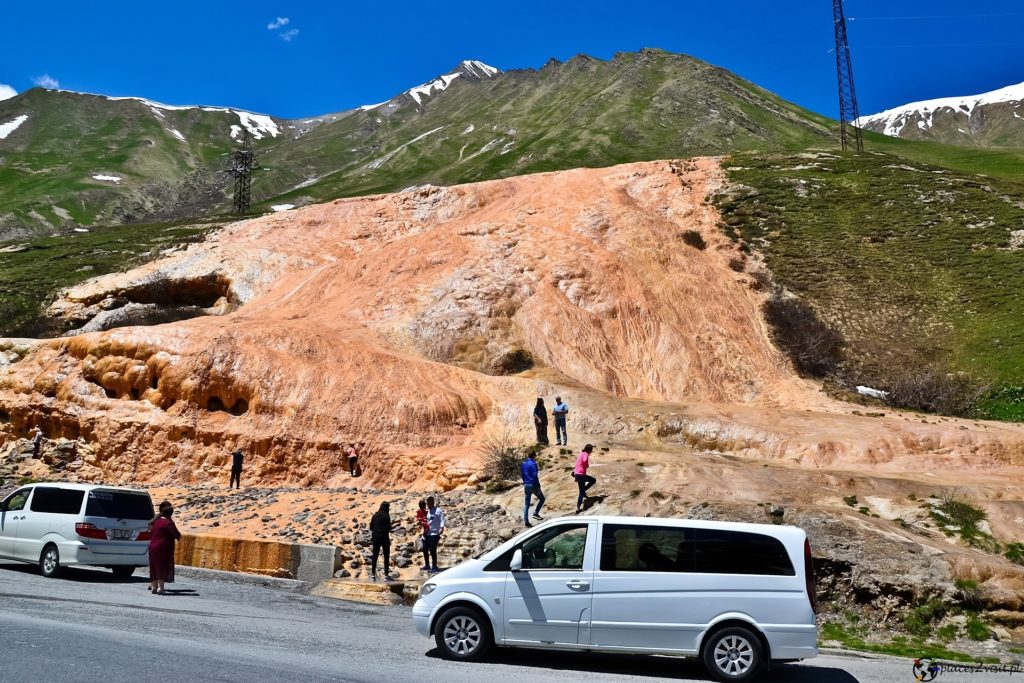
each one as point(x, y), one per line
point(49, 560)
point(734, 655)
point(462, 635)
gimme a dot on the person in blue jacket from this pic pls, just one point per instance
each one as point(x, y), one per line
point(531, 487)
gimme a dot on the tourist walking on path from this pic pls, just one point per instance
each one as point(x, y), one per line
point(579, 473)
point(161, 549)
point(236, 469)
point(531, 487)
point(560, 411)
point(424, 526)
point(540, 421)
point(435, 527)
point(380, 536)
point(37, 442)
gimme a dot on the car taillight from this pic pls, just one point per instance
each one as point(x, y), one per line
point(143, 536)
point(87, 530)
point(809, 575)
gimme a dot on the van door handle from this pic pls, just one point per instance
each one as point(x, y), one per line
point(577, 585)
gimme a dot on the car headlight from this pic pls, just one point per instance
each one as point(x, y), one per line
point(427, 589)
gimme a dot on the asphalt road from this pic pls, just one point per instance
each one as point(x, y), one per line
point(88, 626)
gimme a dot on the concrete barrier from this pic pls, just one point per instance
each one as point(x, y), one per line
point(305, 562)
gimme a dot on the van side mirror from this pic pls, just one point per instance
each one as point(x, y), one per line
point(516, 563)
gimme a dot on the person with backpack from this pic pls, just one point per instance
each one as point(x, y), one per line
point(579, 473)
point(424, 526)
point(531, 487)
point(380, 538)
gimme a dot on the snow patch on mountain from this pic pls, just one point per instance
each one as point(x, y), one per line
point(177, 133)
point(893, 121)
point(110, 178)
point(380, 161)
point(470, 67)
point(11, 126)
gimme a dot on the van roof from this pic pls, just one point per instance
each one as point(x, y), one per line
point(85, 487)
point(778, 530)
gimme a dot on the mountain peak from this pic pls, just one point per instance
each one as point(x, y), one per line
point(469, 68)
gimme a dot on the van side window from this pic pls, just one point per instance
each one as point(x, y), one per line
point(643, 548)
point(559, 547)
point(56, 500)
point(17, 500)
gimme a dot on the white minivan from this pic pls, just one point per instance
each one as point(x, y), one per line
point(738, 596)
point(56, 524)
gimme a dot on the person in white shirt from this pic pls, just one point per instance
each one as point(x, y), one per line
point(435, 527)
point(560, 411)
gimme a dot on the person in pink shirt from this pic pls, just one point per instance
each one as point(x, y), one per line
point(579, 473)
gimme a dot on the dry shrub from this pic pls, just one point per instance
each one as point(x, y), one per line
point(814, 347)
point(694, 239)
point(933, 390)
point(502, 452)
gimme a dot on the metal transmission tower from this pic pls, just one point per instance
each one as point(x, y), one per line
point(849, 133)
point(243, 161)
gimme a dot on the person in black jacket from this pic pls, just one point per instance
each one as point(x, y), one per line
point(540, 420)
point(380, 536)
point(236, 469)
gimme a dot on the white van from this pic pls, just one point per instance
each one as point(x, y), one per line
point(738, 596)
point(57, 524)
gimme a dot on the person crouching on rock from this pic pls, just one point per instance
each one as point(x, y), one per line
point(161, 549)
point(579, 473)
point(380, 536)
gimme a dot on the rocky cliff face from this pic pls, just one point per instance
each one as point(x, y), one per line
point(419, 321)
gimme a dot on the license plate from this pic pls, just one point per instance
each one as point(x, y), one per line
point(121, 534)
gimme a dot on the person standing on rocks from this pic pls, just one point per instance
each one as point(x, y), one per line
point(579, 473)
point(424, 526)
point(560, 411)
point(540, 421)
point(531, 487)
point(380, 536)
point(352, 455)
point(236, 469)
point(37, 442)
point(161, 549)
point(435, 527)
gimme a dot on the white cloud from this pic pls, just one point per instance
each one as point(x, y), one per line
point(278, 23)
point(46, 81)
point(7, 92)
point(289, 34)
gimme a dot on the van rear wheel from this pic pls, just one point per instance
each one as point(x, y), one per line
point(49, 561)
point(734, 654)
point(123, 571)
point(463, 634)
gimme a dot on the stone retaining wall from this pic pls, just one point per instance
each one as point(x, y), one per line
point(306, 562)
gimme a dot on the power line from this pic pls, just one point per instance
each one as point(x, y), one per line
point(938, 16)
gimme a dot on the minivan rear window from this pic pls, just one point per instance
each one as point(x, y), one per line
point(56, 500)
point(119, 505)
point(648, 548)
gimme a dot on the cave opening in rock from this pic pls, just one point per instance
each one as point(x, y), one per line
point(214, 404)
point(153, 382)
point(5, 417)
point(241, 407)
point(134, 394)
point(110, 393)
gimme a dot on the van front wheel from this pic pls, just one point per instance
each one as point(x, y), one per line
point(733, 654)
point(463, 634)
point(123, 571)
point(49, 562)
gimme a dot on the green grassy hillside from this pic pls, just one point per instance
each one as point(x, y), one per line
point(916, 265)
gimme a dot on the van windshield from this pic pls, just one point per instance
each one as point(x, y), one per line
point(119, 505)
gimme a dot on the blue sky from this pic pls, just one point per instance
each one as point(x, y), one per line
point(336, 55)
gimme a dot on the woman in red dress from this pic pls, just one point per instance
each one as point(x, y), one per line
point(161, 549)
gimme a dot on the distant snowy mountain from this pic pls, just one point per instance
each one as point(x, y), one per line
point(470, 69)
point(993, 119)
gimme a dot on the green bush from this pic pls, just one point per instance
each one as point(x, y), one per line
point(976, 628)
point(850, 500)
point(919, 620)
